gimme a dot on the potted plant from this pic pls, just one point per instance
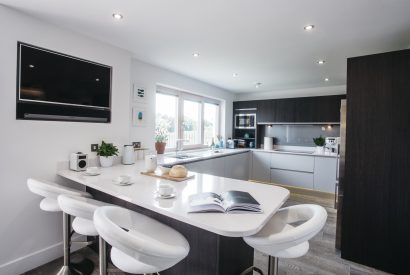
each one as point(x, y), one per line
point(107, 151)
point(161, 138)
point(320, 143)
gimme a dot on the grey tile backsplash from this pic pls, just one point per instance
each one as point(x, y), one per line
point(300, 135)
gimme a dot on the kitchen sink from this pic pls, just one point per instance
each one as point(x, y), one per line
point(184, 156)
point(294, 151)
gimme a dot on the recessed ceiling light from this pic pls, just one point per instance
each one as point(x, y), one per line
point(117, 16)
point(235, 75)
point(31, 66)
point(326, 79)
point(321, 62)
point(258, 84)
point(97, 79)
point(309, 27)
point(195, 54)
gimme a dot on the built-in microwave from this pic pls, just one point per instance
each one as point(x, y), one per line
point(245, 121)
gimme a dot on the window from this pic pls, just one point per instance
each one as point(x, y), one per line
point(211, 122)
point(194, 119)
point(192, 123)
point(167, 116)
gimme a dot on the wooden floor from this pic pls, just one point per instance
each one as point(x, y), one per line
point(322, 257)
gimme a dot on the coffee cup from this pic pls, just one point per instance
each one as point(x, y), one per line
point(165, 190)
point(123, 179)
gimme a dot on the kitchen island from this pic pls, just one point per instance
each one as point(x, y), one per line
point(215, 239)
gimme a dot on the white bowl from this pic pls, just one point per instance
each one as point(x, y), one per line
point(164, 170)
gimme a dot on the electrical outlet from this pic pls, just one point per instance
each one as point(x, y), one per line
point(94, 147)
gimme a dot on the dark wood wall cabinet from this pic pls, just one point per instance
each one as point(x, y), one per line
point(293, 110)
point(376, 203)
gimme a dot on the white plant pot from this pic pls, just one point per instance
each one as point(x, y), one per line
point(106, 161)
point(320, 150)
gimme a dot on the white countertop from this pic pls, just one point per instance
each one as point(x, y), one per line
point(198, 155)
point(324, 155)
point(141, 193)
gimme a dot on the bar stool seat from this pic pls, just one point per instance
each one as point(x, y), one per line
point(84, 227)
point(139, 244)
point(287, 233)
point(50, 191)
point(83, 210)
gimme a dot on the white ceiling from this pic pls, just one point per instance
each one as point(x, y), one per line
point(261, 40)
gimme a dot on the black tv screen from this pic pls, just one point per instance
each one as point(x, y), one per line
point(46, 76)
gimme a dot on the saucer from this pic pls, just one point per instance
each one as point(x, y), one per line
point(92, 174)
point(122, 183)
point(170, 196)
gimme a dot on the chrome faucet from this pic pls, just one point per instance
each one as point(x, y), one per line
point(180, 146)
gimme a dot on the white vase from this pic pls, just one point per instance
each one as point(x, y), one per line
point(320, 150)
point(106, 161)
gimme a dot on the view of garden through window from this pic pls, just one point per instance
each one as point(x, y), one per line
point(190, 116)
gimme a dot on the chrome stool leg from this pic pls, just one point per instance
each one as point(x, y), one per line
point(103, 256)
point(273, 266)
point(66, 269)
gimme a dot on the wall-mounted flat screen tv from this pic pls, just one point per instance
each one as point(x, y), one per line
point(61, 83)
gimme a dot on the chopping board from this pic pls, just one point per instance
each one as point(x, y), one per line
point(168, 177)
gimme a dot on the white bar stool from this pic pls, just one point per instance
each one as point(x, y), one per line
point(50, 191)
point(83, 210)
point(286, 235)
point(139, 244)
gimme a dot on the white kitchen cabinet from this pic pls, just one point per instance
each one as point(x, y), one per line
point(325, 174)
point(237, 166)
point(215, 166)
point(293, 178)
point(260, 170)
point(293, 162)
point(231, 166)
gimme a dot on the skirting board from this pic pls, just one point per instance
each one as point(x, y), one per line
point(37, 258)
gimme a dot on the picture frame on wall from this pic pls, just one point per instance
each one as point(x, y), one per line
point(138, 93)
point(138, 116)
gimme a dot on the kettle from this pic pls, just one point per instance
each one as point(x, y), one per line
point(128, 155)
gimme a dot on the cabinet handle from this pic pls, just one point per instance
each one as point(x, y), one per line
point(336, 189)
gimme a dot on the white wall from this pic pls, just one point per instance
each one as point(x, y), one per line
point(30, 237)
point(148, 76)
point(319, 91)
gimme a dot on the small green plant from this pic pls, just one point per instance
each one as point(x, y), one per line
point(161, 135)
point(319, 141)
point(107, 150)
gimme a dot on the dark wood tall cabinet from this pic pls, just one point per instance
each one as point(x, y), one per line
point(376, 203)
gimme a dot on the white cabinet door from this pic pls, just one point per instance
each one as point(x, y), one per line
point(214, 166)
point(292, 178)
point(293, 162)
point(261, 166)
point(194, 166)
point(325, 174)
point(237, 166)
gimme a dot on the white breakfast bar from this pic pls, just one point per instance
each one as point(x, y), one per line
point(214, 238)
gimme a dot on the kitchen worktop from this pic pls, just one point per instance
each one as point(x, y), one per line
point(197, 155)
point(298, 152)
point(142, 193)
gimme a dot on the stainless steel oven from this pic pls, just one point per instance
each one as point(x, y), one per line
point(245, 121)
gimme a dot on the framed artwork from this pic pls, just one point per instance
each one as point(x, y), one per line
point(138, 116)
point(138, 94)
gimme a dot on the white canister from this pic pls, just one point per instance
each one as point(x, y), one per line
point(268, 143)
point(150, 163)
point(128, 155)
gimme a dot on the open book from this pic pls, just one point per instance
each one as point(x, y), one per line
point(228, 202)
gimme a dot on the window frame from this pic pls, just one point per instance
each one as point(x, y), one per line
point(181, 97)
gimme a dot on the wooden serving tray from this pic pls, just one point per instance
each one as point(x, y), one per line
point(167, 177)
